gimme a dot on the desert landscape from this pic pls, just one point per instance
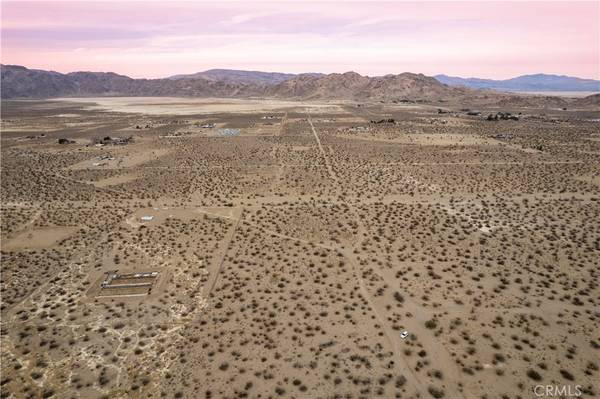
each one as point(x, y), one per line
point(271, 248)
point(299, 199)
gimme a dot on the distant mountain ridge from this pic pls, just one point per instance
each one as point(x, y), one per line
point(242, 77)
point(536, 82)
point(21, 82)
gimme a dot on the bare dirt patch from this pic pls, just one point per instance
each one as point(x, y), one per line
point(187, 106)
point(116, 180)
point(35, 238)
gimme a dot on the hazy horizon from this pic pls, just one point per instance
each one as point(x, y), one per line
point(242, 69)
point(490, 40)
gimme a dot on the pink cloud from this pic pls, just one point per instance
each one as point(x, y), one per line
point(150, 39)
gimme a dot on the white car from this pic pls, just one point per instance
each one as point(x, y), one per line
point(404, 334)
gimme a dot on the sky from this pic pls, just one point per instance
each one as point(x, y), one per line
point(154, 39)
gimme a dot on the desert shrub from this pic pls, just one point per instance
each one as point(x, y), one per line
point(36, 375)
point(437, 374)
point(435, 392)
point(566, 375)
point(400, 381)
point(431, 324)
point(398, 297)
point(534, 375)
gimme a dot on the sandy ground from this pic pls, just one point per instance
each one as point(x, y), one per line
point(116, 180)
point(38, 238)
point(291, 257)
point(120, 158)
point(191, 106)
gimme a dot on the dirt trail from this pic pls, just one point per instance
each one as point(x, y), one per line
point(27, 224)
point(214, 276)
point(325, 158)
point(280, 168)
point(283, 124)
point(394, 339)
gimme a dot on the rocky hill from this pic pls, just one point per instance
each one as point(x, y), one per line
point(353, 86)
point(589, 101)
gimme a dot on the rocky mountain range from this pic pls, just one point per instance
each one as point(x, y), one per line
point(538, 82)
point(18, 81)
point(242, 77)
point(21, 82)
